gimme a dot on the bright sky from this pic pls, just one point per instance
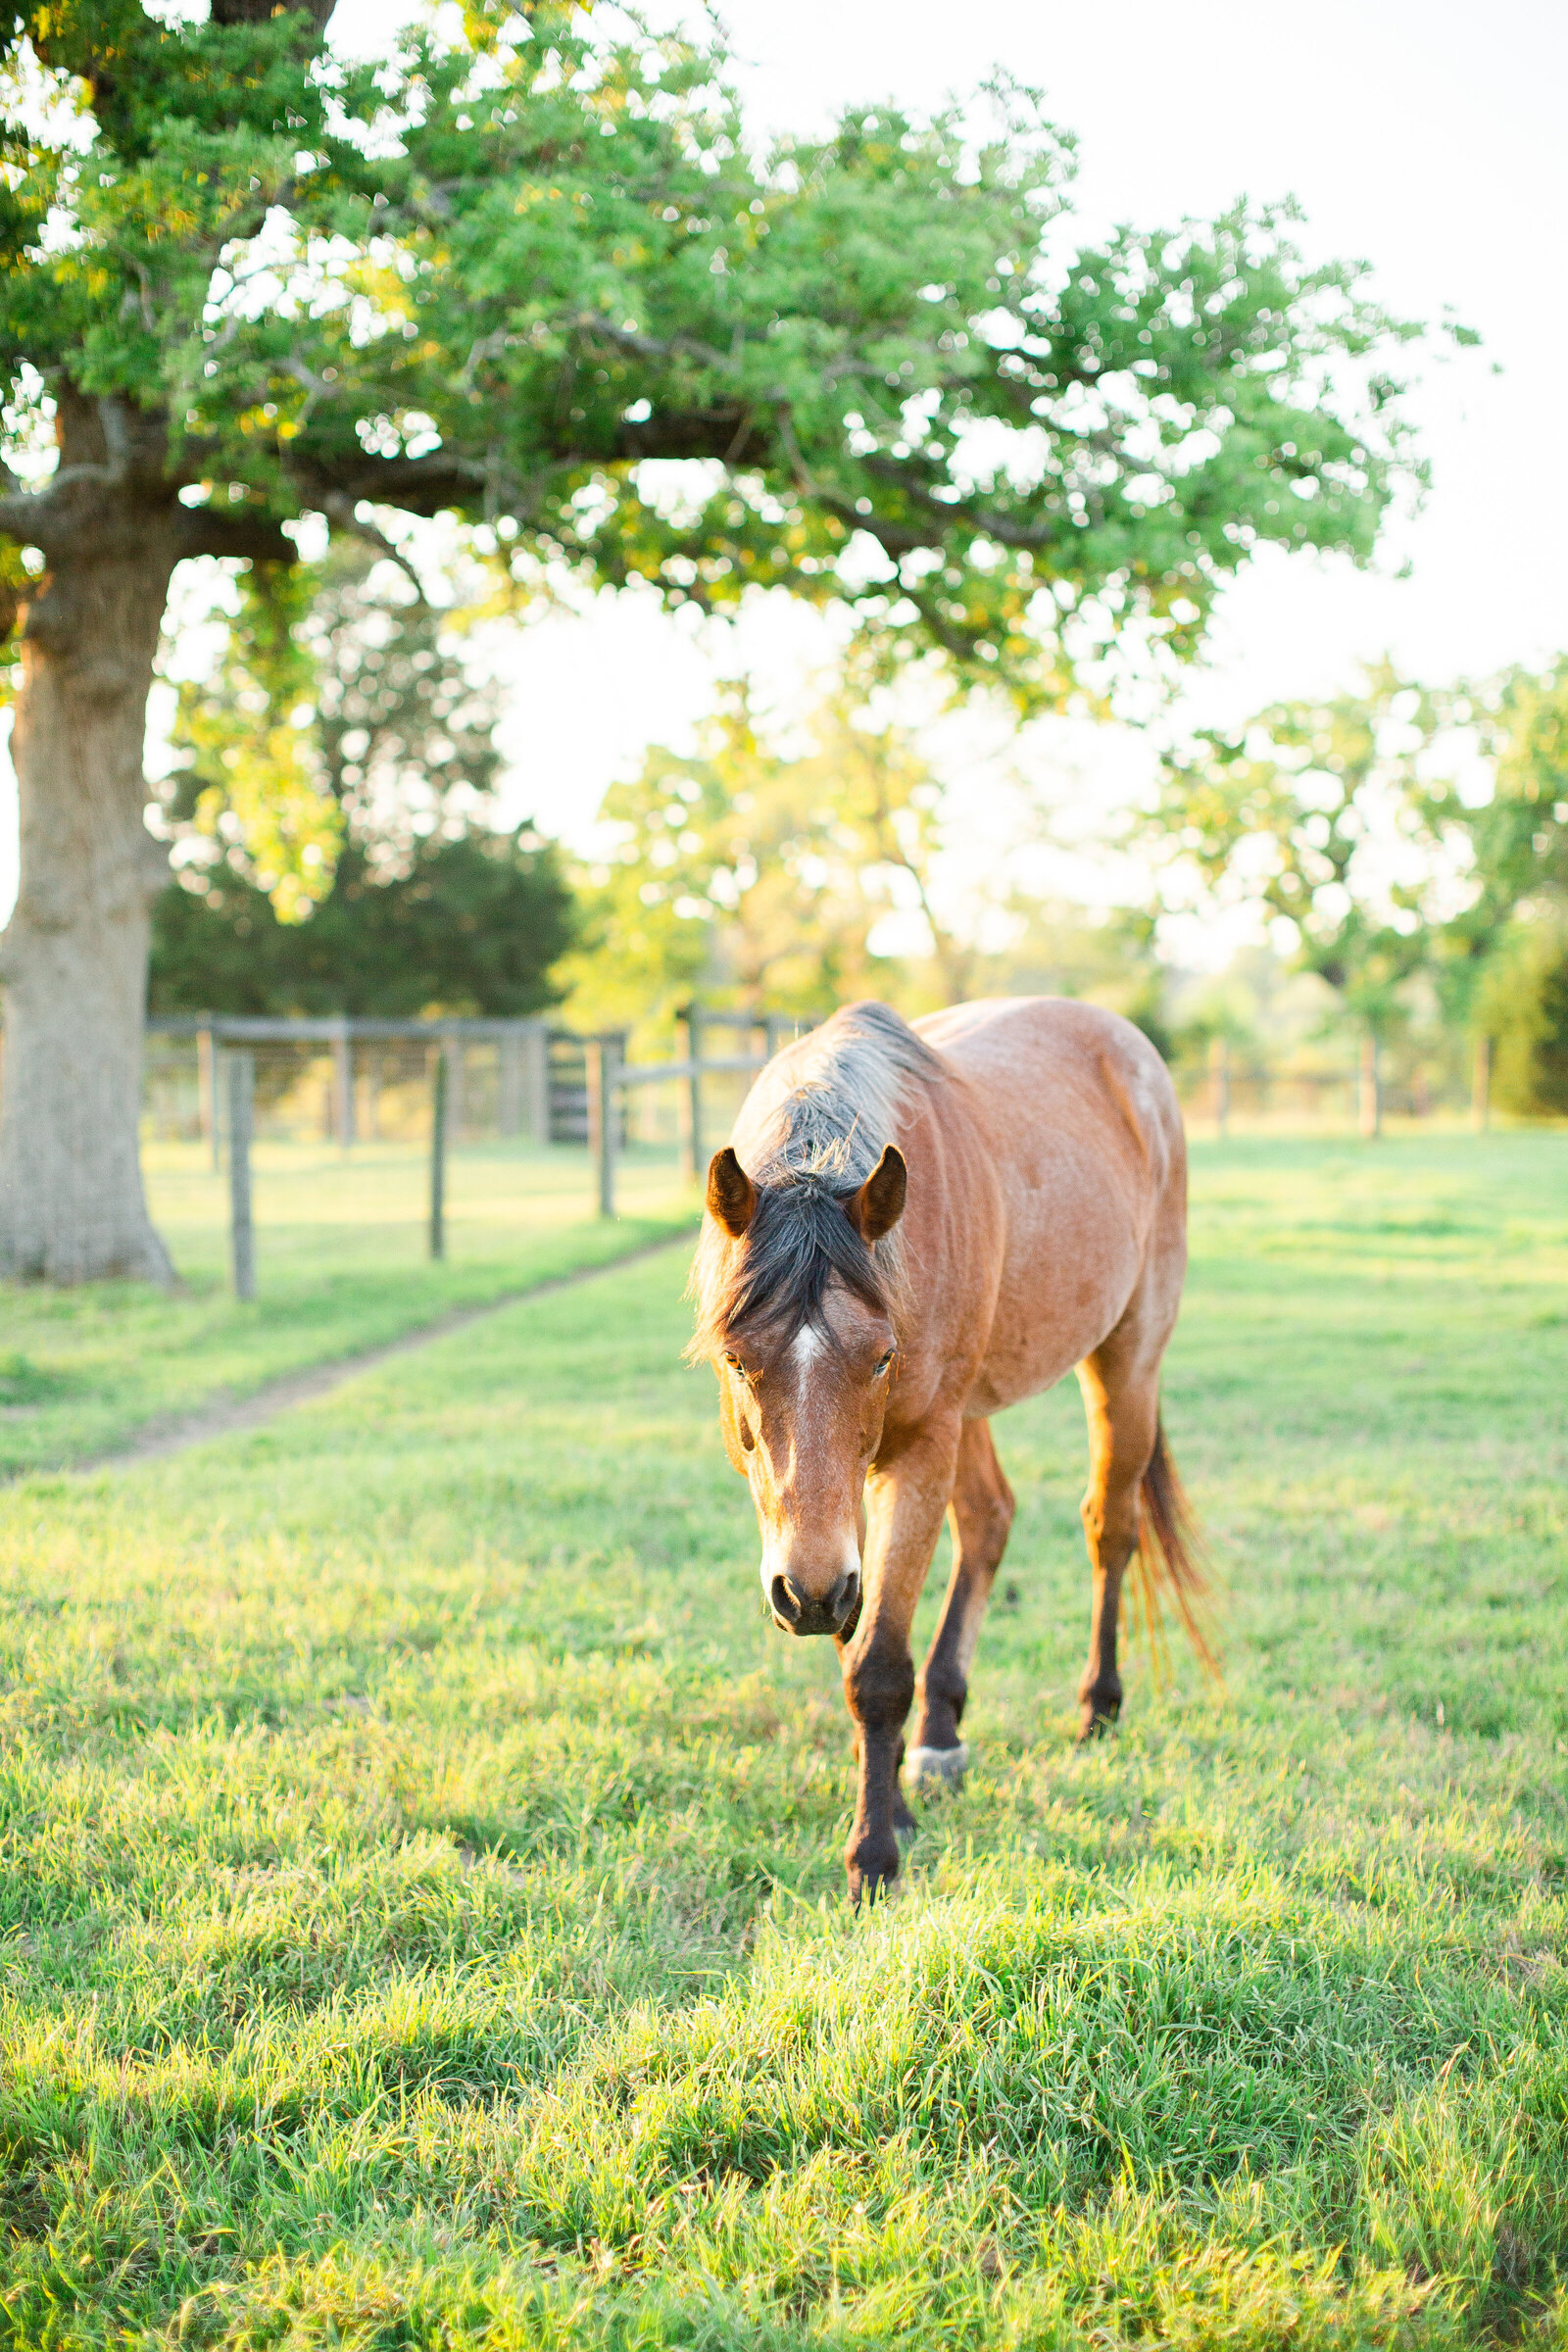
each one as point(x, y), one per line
point(1421, 134)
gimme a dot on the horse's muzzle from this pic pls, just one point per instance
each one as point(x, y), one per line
point(795, 1613)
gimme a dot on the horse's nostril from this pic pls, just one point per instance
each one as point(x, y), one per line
point(843, 1593)
point(787, 1602)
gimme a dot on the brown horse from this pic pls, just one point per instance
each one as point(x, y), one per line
point(913, 1228)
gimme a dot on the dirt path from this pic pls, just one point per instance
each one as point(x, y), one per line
point(222, 1419)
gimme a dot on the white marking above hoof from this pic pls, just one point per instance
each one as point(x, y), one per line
point(935, 1767)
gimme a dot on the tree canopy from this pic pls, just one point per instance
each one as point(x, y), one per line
point(1305, 811)
point(504, 273)
point(339, 842)
point(1515, 835)
point(760, 873)
point(471, 925)
point(1400, 831)
point(1503, 960)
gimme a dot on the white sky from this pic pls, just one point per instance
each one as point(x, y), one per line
point(1421, 134)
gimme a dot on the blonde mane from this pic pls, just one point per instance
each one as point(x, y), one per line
point(820, 1143)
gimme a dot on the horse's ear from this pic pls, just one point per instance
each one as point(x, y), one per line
point(879, 1204)
point(731, 1194)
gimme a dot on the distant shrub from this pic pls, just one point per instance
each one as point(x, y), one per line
point(1523, 1007)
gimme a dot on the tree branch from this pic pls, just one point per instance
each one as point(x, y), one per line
point(419, 485)
point(210, 531)
point(1002, 527)
point(728, 434)
point(340, 512)
point(732, 432)
point(651, 347)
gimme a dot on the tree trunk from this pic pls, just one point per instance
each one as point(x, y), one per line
point(1371, 1088)
point(1219, 1080)
point(1481, 1087)
point(74, 958)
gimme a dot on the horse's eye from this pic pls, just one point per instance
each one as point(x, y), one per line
point(885, 1364)
point(735, 1364)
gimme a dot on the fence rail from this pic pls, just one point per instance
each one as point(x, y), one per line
point(447, 1081)
point(368, 1059)
point(527, 1077)
point(542, 1082)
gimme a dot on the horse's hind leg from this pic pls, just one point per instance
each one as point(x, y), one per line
point(1121, 1383)
point(982, 1513)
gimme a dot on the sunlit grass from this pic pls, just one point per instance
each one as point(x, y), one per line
point(422, 1895)
point(342, 1262)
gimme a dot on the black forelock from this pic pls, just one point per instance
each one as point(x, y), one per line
point(799, 1238)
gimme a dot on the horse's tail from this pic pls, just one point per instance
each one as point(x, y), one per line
point(1170, 1552)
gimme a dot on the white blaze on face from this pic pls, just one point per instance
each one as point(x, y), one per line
point(810, 1419)
point(813, 1407)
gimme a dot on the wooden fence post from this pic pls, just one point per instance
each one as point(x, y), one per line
point(438, 1153)
point(508, 1082)
point(1219, 1078)
point(457, 1087)
point(207, 1092)
point(536, 1080)
point(343, 1087)
point(1370, 1089)
point(241, 1234)
point(692, 1165)
point(1481, 1087)
point(603, 1055)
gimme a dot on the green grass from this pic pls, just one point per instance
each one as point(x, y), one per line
point(342, 1264)
point(422, 1899)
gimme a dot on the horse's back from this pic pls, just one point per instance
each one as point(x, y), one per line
point(1051, 1068)
point(1086, 1140)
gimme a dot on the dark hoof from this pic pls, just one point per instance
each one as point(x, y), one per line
point(874, 1876)
point(1096, 1721)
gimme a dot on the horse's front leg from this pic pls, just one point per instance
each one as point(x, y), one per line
point(982, 1515)
point(905, 1505)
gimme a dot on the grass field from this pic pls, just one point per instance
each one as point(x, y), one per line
point(421, 1897)
point(342, 1263)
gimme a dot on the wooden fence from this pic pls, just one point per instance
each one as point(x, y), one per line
point(452, 1080)
point(530, 1072)
point(503, 1077)
point(549, 1084)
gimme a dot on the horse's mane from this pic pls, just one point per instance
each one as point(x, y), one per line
point(821, 1142)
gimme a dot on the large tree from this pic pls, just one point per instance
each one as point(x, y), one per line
point(758, 870)
point(1501, 961)
point(1314, 812)
point(349, 856)
point(506, 275)
point(1515, 836)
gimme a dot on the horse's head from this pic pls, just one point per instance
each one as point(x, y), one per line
point(797, 1313)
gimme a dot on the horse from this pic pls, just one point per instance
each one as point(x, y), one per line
point(914, 1227)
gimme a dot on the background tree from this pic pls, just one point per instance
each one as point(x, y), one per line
point(726, 874)
point(758, 873)
point(1503, 960)
point(494, 276)
point(1519, 1011)
point(347, 857)
point(1308, 813)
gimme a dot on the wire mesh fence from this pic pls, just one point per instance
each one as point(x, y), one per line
point(369, 1142)
point(539, 1127)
